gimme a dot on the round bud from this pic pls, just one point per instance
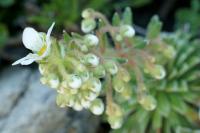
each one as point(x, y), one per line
point(99, 71)
point(91, 59)
point(53, 81)
point(111, 67)
point(91, 40)
point(95, 85)
point(115, 122)
point(77, 106)
point(125, 76)
point(85, 103)
point(148, 102)
point(87, 25)
point(74, 81)
point(127, 31)
point(97, 107)
point(87, 13)
point(118, 84)
point(159, 72)
point(90, 95)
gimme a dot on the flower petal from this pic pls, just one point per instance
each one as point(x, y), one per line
point(30, 58)
point(48, 40)
point(31, 39)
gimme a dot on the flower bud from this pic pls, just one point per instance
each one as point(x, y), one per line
point(92, 60)
point(125, 76)
point(118, 84)
point(127, 31)
point(70, 102)
point(61, 100)
point(54, 82)
point(127, 93)
point(91, 40)
point(115, 122)
point(118, 37)
point(84, 76)
point(84, 48)
point(87, 13)
point(74, 82)
point(77, 106)
point(97, 107)
point(85, 103)
point(90, 95)
point(87, 25)
point(111, 67)
point(99, 71)
point(158, 72)
point(148, 102)
point(95, 85)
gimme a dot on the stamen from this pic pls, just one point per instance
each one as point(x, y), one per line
point(42, 50)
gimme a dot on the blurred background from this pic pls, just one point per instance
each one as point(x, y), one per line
point(28, 108)
point(17, 14)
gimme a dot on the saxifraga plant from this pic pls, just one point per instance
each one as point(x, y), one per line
point(149, 84)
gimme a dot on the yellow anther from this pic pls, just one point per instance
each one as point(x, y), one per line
point(42, 50)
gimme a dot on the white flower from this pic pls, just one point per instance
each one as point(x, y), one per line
point(91, 40)
point(36, 42)
point(74, 82)
point(127, 31)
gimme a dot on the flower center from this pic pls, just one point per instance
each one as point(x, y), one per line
point(42, 50)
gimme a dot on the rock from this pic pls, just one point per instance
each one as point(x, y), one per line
point(32, 107)
point(12, 85)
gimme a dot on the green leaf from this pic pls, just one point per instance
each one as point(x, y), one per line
point(157, 120)
point(163, 106)
point(154, 28)
point(127, 16)
point(116, 19)
point(178, 103)
point(66, 37)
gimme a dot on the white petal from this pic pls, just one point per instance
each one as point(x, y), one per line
point(30, 58)
point(48, 40)
point(31, 39)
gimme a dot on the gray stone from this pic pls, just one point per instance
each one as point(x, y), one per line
point(12, 85)
point(34, 110)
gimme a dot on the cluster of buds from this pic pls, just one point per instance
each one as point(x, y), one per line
point(83, 67)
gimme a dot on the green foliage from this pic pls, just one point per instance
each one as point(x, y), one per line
point(6, 3)
point(154, 28)
point(177, 94)
point(189, 17)
point(65, 12)
point(134, 3)
point(3, 34)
